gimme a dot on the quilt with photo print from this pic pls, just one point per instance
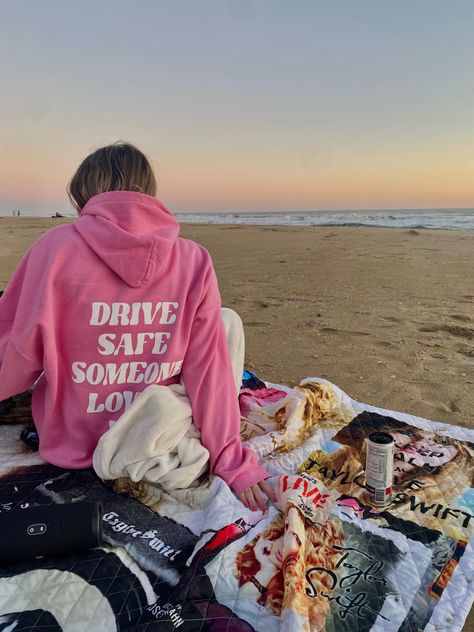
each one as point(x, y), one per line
point(320, 559)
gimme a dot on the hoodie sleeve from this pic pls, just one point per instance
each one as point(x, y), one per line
point(208, 378)
point(20, 335)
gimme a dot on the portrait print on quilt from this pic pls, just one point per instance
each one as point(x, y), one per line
point(433, 473)
point(430, 516)
point(288, 574)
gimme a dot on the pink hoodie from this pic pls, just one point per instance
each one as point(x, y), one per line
point(102, 308)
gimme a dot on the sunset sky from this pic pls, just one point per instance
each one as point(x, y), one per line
point(243, 105)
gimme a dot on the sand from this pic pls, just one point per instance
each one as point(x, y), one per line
point(384, 313)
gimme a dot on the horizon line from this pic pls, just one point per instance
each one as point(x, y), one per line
point(72, 213)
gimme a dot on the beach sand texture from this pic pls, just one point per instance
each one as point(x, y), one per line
point(386, 314)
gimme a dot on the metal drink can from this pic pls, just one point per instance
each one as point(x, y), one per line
point(379, 468)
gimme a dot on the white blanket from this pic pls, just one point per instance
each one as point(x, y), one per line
point(154, 441)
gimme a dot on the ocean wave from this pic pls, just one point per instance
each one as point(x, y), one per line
point(447, 219)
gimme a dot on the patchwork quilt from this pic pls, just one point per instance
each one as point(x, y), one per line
point(320, 559)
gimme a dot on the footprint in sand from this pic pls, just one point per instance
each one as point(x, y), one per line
point(256, 324)
point(331, 330)
point(466, 350)
point(462, 317)
point(449, 407)
point(455, 330)
point(266, 304)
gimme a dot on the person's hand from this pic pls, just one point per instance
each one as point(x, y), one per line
point(255, 497)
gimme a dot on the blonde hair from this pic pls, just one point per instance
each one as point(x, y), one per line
point(117, 167)
point(287, 588)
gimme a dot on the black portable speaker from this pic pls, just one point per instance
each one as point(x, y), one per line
point(50, 531)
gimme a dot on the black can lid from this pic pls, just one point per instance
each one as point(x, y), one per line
point(381, 437)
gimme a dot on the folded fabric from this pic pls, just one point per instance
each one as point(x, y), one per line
point(275, 425)
point(155, 441)
point(250, 398)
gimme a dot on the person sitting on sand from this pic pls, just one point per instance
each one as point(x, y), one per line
point(100, 308)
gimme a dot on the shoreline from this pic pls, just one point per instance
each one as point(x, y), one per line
point(458, 219)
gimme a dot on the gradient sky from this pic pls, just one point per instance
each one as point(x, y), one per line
point(243, 104)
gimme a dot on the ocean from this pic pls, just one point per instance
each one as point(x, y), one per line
point(451, 219)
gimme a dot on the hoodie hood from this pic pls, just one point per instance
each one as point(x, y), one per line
point(133, 233)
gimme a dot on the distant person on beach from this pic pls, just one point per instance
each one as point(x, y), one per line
point(99, 309)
